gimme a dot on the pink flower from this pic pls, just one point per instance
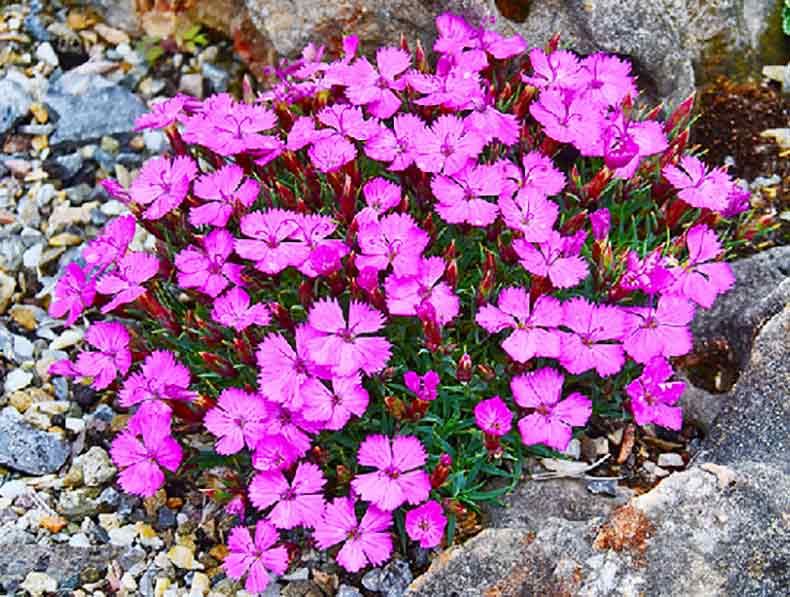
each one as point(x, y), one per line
point(594, 343)
point(237, 420)
point(126, 282)
point(455, 34)
point(365, 541)
point(539, 174)
point(345, 347)
point(559, 69)
point(336, 407)
point(702, 279)
point(530, 213)
point(456, 84)
point(552, 419)
point(162, 113)
point(274, 452)
point(493, 416)
point(285, 375)
point(650, 275)
point(738, 201)
point(312, 251)
point(610, 80)
point(565, 116)
point(223, 190)
point(399, 145)
point(332, 153)
point(490, 123)
point(372, 88)
point(112, 244)
point(291, 425)
point(269, 229)
point(113, 356)
point(652, 396)
point(426, 524)
point(459, 196)
point(303, 133)
point(660, 330)
point(501, 47)
point(162, 185)
point(73, 293)
point(298, 503)
point(207, 269)
point(348, 121)
point(447, 146)
point(600, 221)
point(556, 258)
point(399, 478)
point(141, 463)
point(407, 293)
point(424, 386)
point(626, 143)
point(160, 378)
point(534, 330)
point(256, 559)
point(381, 195)
point(233, 309)
point(698, 187)
point(396, 240)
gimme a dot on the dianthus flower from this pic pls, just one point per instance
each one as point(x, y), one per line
point(222, 190)
point(311, 248)
point(447, 146)
point(364, 542)
point(298, 503)
point(399, 145)
point(459, 197)
point(559, 69)
point(594, 341)
point(237, 420)
point(345, 347)
point(610, 80)
point(697, 186)
point(426, 524)
point(625, 143)
point(529, 212)
point(381, 195)
point(493, 416)
point(162, 185)
point(399, 478)
point(454, 34)
point(659, 330)
point(373, 88)
point(490, 123)
point(501, 47)
point(207, 269)
point(257, 559)
point(112, 244)
point(702, 279)
point(291, 425)
point(113, 356)
point(454, 89)
point(126, 281)
point(395, 240)
point(286, 375)
point(423, 386)
point(650, 275)
point(538, 174)
point(336, 406)
point(600, 222)
point(534, 330)
point(141, 462)
point(274, 452)
point(163, 113)
point(407, 293)
point(565, 116)
point(228, 127)
point(269, 230)
point(556, 258)
point(73, 293)
point(233, 310)
point(652, 396)
point(553, 418)
point(161, 378)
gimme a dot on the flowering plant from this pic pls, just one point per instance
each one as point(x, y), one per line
point(381, 284)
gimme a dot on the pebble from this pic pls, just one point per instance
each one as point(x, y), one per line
point(123, 536)
point(38, 583)
point(182, 557)
point(348, 591)
point(654, 470)
point(45, 52)
point(68, 338)
point(97, 467)
point(602, 487)
point(192, 84)
point(79, 540)
point(16, 380)
point(200, 585)
point(7, 287)
point(670, 459)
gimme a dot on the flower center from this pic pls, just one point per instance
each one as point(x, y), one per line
point(392, 472)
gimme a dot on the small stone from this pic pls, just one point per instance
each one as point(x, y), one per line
point(670, 459)
point(40, 112)
point(14, 104)
point(65, 239)
point(110, 144)
point(73, 478)
point(77, 503)
point(128, 582)
point(594, 448)
point(200, 585)
point(182, 557)
point(54, 524)
point(17, 379)
point(7, 287)
point(79, 540)
point(348, 591)
point(31, 258)
point(123, 536)
point(97, 467)
point(165, 519)
point(75, 425)
point(38, 583)
point(109, 521)
point(68, 338)
point(574, 449)
point(192, 84)
point(24, 316)
point(652, 469)
point(298, 574)
point(90, 574)
point(46, 53)
point(112, 35)
point(602, 487)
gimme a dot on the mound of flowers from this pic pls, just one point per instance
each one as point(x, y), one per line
point(382, 284)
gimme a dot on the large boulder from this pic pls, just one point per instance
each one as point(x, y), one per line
point(719, 528)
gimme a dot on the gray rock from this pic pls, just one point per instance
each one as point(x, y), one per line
point(761, 291)
point(59, 562)
point(14, 103)
point(27, 449)
point(699, 406)
point(17, 379)
point(91, 115)
point(348, 591)
point(97, 468)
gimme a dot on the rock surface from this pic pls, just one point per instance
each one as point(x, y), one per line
point(27, 449)
point(14, 103)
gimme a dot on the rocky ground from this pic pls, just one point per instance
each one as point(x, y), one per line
point(70, 88)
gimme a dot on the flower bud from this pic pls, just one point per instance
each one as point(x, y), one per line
point(680, 115)
point(395, 407)
point(486, 372)
point(463, 371)
point(441, 471)
point(343, 474)
point(217, 364)
point(305, 293)
point(451, 274)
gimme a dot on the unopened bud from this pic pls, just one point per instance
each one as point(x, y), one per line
point(463, 371)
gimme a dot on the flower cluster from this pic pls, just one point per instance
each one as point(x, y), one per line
point(380, 274)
